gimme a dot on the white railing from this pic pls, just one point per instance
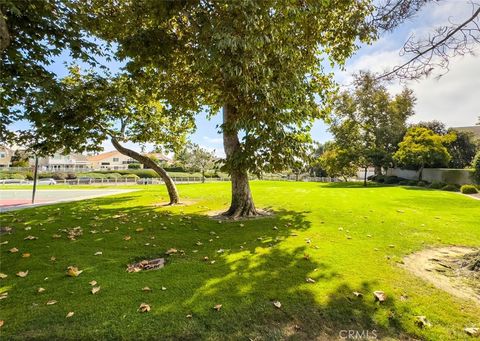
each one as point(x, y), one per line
point(155, 181)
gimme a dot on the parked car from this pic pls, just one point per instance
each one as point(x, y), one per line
point(49, 181)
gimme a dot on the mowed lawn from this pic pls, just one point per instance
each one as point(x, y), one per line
point(345, 237)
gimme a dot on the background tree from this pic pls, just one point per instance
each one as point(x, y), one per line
point(261, 62)
point(196, 159)
point(422, 148)
point(338, 162)
point(462, 149)
point(94, 108)
point(32, 34)
point(20, 159)
point(476, 167)
point(371, 119)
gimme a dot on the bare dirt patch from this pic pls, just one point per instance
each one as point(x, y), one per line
point(182, 203)
point(218, 215)
point(446, 268)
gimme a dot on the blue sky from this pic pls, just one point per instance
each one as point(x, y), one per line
point(452, 99)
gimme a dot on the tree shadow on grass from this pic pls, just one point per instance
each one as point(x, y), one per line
point(247, 269)
point(355, 185)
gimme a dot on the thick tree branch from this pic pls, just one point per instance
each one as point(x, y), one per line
point(4, 34)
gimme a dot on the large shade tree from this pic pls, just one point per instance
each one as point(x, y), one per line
point(260, 62)
point(32, 35)
point(94, 108)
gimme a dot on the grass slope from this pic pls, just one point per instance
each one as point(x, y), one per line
point(346, 237)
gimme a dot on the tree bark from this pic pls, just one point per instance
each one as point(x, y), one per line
point(4, 34)
point(146, 161)
point(420, 173)
point(242, 201)
point(365, 177)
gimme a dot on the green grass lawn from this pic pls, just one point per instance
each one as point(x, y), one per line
point(347, 238)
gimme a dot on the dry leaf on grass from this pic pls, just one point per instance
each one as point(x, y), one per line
point(140, 229)
point(380, 296)
point(310, 280)
point(70, 314)
point(51, 302)
point(22, 273)
point(40, 290)
point(472, 331)
point(277, 304)
point(92, 283)
point(189, 316)
point(30, 238)
point(146, 289)
point(2, 275)
point(127, 238)
point(422, 321)
point(13, 250)
point(358, 294)
point(3, 295)
point(26, 255)
point(171, 251)
point(144, 308)
point(1, 323)
point(95, 290)
point(73, 271)
point(53, 259)
point(217, 307)
point(98, 253)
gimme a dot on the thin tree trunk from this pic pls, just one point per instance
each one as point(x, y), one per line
point(4, 34)
point(365, 177)
point(203, 176)
point(378, 170)
point(146, 161)
point(420, 173)
point(242, 201)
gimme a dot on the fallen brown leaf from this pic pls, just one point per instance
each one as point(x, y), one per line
point(472, 331)
point(73, 271)
point(13, 250)
point(310, 280)
point(95, 290)
point(171, 251)
point(51, 302)
point(26, 255)
point(277, 304)
point(144, 308)
point(2, 275)
point(22, 273)
point(92, 283)
point(30, 238)
point(358, 294)
point(1, 323)
point(422, 321)
point(70, 314)
point(40, 290)
point(217, 307)
point(98, 253)
point(146, 289)
point(3, 295)
point(380, 296)
point(127, 238)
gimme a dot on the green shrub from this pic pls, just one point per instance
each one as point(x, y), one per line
point(59, 176)
point(476, 168)
point(437, 185)
point(112, 175)
point(422, 183)
point(135, 176)
point(450, 188)
point(468, 189)
point(380, 178)
point(392, 179)
point(134, 166)
point(412, 182)
point(71, 176)
point(404, 182)
point(17, 176)
point(92, 175)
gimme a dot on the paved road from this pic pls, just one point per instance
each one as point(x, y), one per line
point(20, 198)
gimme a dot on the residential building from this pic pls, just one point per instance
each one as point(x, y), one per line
point(5, 156)
point(113, 160)
point(63, 162)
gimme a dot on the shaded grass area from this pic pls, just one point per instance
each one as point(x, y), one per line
point(345, 237)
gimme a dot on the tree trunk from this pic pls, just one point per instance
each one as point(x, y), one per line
point(420, 173)
point(4, 34)
point(365, 177)
point(203, 176)
point(242, 202)
point(146, 161)
point(378, 170)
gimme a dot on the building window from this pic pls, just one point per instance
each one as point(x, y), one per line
point(2, 155)
point(115, 159)
point(105, 163)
